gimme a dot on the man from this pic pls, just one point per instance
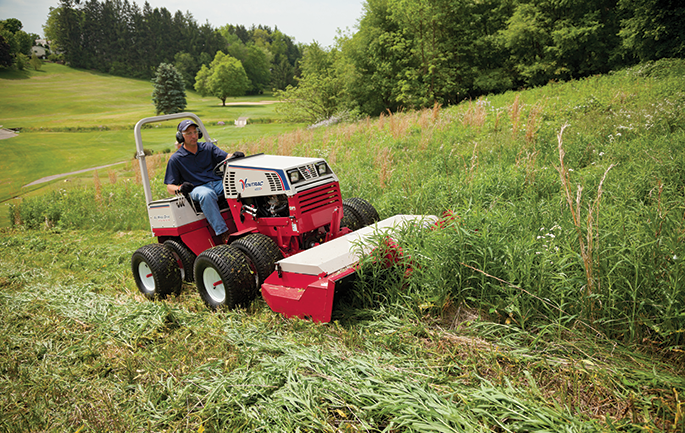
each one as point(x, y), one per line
point(190, 170)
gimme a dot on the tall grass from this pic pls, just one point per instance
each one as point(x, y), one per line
point(527, 247)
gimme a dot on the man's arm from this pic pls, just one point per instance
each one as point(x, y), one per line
point(173, 189)
point(184, 188)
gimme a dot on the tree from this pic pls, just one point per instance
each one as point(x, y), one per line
point(653, 29)
point(320, 92)
point(169, 94)
point(224, 77)
point(35, 62)
point(186, 65)
point(15, 44)
point(5, 53)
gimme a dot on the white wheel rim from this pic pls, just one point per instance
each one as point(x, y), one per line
point(146, 278)
point(214, 285)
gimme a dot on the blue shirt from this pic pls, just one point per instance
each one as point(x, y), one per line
point(197, 168)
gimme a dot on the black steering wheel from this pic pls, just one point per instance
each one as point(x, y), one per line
point(220, 167)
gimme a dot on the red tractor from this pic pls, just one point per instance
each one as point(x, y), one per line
point(292, 235)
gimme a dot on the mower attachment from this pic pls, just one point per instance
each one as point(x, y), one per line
point(303, 285)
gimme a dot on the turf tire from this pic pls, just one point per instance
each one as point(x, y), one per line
point(156, 271)
point(262, 253)
point(223, 277)
point(184, 258)
point(358, 213)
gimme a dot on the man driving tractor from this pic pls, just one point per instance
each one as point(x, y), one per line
point(190, 171)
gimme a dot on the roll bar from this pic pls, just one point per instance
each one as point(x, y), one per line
point(140, 152)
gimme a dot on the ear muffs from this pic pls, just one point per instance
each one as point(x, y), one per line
point(180, 139)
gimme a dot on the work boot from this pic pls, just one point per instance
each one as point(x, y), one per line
point(224, 237)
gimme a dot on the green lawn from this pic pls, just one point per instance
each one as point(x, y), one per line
point(73, 119)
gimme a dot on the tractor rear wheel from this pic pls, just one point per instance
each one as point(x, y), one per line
point(184, 258)
point(223, 277)
point(155, 271)
point(358, 213)
point(262, 254)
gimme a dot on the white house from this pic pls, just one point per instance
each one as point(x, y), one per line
point(39, 48)
point(240, 122)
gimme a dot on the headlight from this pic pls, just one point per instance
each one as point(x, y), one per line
point(321, 168)
point(294, 176)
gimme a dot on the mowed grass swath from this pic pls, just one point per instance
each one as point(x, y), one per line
point(549, 299)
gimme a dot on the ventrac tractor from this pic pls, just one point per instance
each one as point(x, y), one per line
point(291, 235)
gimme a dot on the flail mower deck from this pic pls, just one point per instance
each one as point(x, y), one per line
point(292, 235)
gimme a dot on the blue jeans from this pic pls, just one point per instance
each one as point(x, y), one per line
point(207, 195)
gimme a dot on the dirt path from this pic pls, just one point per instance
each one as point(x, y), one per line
point(57, 176)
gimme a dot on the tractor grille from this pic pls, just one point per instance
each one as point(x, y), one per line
point(308, 171)
point(274, 181)
point(319, 197)
point(229, 184)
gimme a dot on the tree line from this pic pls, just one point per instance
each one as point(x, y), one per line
point(120, 38)
point(416, 53)
point(15, 45)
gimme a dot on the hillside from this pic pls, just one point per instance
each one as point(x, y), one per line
point(551, 300)
point(71, 119)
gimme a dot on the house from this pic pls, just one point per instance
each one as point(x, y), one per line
point(242, 121)
point(39, 48)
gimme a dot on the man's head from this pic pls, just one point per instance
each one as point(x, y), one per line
point(188, 131)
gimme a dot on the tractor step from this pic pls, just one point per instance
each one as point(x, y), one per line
point(303, 284)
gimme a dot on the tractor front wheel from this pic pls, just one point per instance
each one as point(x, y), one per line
point(155, 271)
point(223, 277)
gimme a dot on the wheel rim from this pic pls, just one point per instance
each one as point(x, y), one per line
point(214, 285)
point(146, 278)
point(253, 270)
point(179, 262)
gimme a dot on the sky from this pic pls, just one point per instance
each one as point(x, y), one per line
point(304, 20)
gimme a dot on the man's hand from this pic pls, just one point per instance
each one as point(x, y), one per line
point(186, 187)
point(238, 154)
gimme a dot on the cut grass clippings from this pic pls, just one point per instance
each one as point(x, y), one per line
point(83, 350)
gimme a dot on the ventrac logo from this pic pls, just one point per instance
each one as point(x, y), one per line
point(245, 184)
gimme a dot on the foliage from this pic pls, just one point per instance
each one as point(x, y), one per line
point(652, 29)
point(169, 94)
point(320, 92)
point(120, 38)
point(224, 77)
point(15, 44)
point(255, 61)
point(258, 44)
point(5, 53)
point(414, 54)
point(36, 63)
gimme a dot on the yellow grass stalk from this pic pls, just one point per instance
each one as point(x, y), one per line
point(586, 230)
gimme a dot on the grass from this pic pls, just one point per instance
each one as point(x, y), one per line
point(83, 350)
point(73, 119)
point(490, 323)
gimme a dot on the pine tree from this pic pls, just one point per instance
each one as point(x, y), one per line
point(169, 95)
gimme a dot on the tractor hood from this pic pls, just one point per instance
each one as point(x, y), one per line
point(262, 175)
